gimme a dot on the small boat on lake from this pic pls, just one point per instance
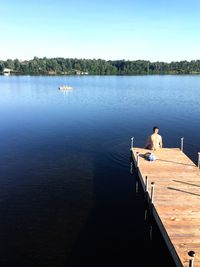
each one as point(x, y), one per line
point(65, 87)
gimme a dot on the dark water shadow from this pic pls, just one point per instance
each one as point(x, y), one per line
point(116, 233)
point(35, 223)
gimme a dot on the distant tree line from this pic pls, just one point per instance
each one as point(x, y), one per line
point(39, 66)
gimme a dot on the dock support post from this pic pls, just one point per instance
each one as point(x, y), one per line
point(131, 169)
point(138, 163)
point(136, 186)
point(191, 260)
point(145, 214)
point(146, 184)
point(198, 159)
point(132, 138)
point(151, 232)
point(152, 192)
point(182, 138)
point(151, 207)
point(146, 191)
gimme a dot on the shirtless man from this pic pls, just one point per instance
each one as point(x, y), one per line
point(154, 141)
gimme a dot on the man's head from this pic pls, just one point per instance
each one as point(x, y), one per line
point(155, 129)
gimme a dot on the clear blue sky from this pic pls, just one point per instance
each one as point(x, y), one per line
point(167, 30)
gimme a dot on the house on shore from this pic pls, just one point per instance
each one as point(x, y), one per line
point(6, 71)
point(78, 72)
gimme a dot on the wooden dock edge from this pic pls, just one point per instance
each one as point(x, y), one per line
point(158, 220)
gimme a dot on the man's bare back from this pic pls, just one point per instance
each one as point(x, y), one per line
point(154, 141)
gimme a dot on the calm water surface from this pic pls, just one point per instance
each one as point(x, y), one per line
point(66, 194)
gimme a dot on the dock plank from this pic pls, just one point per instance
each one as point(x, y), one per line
point(176, 199)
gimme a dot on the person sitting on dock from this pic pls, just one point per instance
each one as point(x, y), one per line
point(154, 141)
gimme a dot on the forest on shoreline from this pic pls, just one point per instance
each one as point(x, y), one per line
point(71, 66)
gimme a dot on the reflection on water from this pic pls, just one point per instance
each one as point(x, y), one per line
point(66, 191)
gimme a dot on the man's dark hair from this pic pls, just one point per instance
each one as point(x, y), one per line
point(154, 128)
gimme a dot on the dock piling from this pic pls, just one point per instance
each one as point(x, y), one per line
point(138, 163)
point(198, 159)
point(191, 260)
point(146, 184)
point(131, 168)
point(152, 192)
point(151, 232)
point(145, 214)
point(136, 187)
point(132, 138)
point(182, 138)
point(151, 207)
point(147, 198)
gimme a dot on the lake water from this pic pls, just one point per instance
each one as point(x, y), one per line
point(67, 197)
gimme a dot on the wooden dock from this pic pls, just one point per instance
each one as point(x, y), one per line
point(176, 200)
